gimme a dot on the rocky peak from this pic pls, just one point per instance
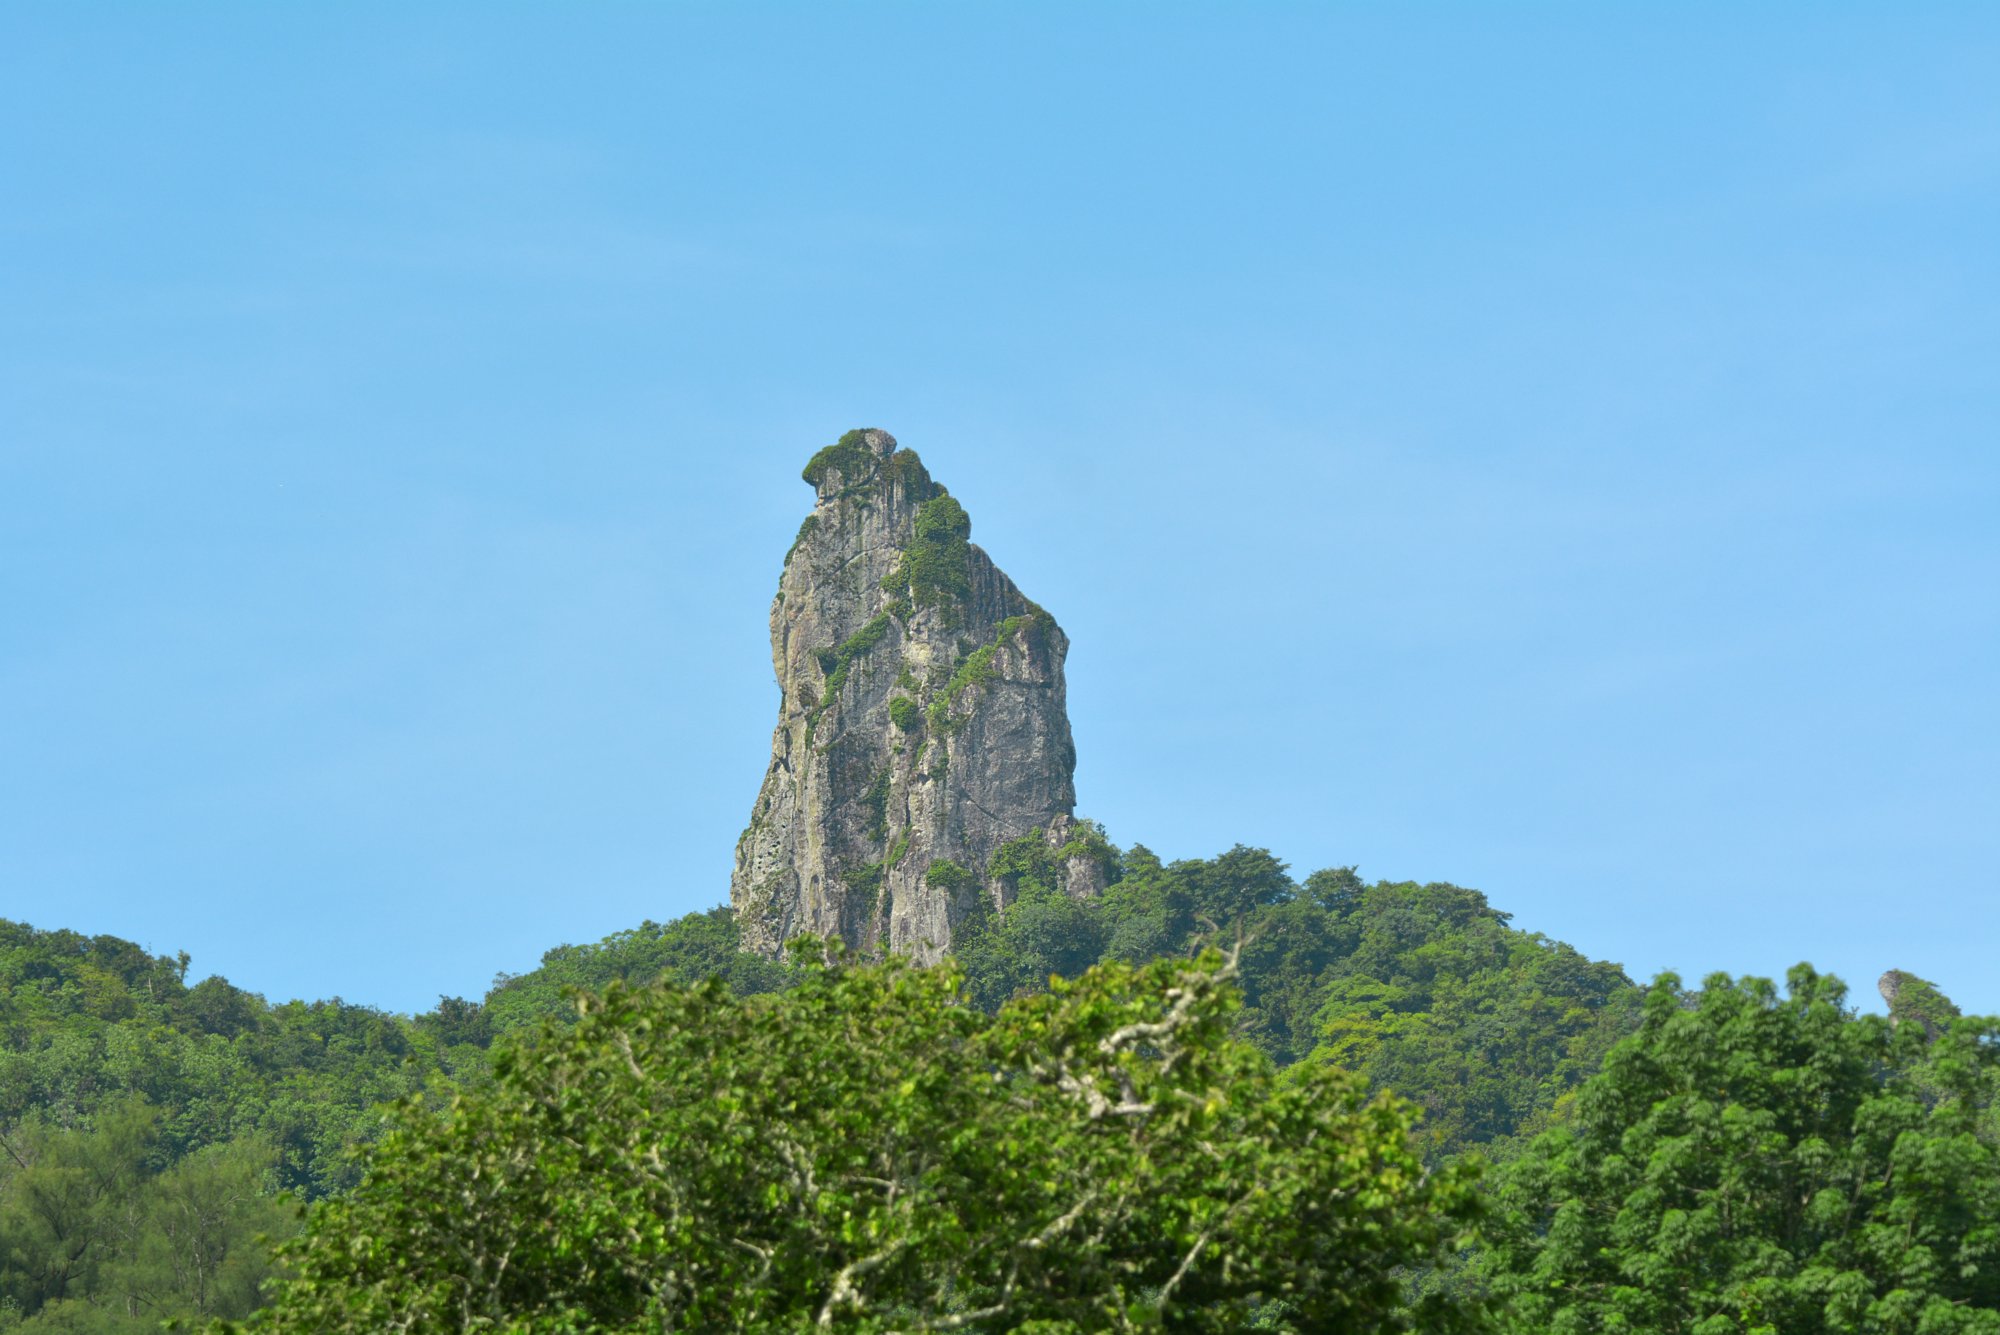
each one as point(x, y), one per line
point(855, 460)
point(1916, 1000)
point(921, 720)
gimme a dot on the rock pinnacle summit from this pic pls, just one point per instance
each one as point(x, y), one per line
point(922, 721)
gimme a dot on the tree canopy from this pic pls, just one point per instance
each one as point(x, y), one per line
point(865, 1149)
point(1085, 1122)
point(97, 1236)
point(1423, 989)
point(1752, 1164)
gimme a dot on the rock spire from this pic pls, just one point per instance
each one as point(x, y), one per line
point(1911, 998)
point(921, 725)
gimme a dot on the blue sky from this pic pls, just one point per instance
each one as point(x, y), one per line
point(1549, 448)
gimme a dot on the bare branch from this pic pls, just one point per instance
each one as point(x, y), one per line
point(1058, 1227)
point(761, 1253)
point(631, 1063)
point(844, 1292)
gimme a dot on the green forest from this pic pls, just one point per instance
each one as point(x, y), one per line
point(1218, 1097)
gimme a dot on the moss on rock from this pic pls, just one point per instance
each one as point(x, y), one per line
point(935, 570)
point(849, 456)
point(837, 662)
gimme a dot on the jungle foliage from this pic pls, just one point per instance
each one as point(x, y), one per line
point(101, 1236)
point(149, 1127)
point(863, 1151)
point(87, 1023)
point(1422, 989)
point(1750, 1163)
point(1722, 1160)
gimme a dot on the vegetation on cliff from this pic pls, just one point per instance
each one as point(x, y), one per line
point(934, 570)
point(1914, 1000)
point(849, 457)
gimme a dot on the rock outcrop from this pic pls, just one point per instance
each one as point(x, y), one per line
point(922, 723)
point(1914, 999)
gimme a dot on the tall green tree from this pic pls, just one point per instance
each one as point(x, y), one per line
point(1488, 1028)
point(689, 950)
point(1764, 1165)
point(97, 1237)
point(868, 1151)
point(62, 1193)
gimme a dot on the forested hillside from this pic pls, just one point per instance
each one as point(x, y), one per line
point(152, 1126)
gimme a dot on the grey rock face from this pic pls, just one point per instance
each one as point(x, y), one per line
point(922, 722)
point(1890, 985)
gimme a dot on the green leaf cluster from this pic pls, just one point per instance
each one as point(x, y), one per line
point(1747, 1164)
point(690, 949)
point(865, 1151)
point(88, 1022)
point(1423, 989)
point(849, 456)
point(976, 669)
point(97, 1235)
point(935, 570)
point(837, 662)
point(1914, 1000)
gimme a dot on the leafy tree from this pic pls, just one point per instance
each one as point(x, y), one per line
point(1488, 1028)
point(1232, 885)
point(1043, 932)
point(199, 1249)
point(866, 1150)
point(689, 950)
point(215, 1007)
point(1290, 952)
point(1338, 890)
point(1145, 913)
point(97, 1238)
point(87, 1023)
point(1423, 989)
point(60, 1199)
point(1746, 1163)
